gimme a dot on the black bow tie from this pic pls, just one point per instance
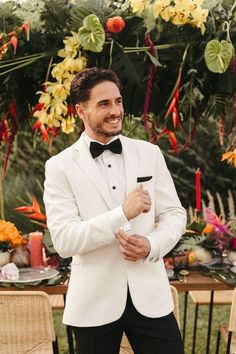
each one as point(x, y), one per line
point(97, 149)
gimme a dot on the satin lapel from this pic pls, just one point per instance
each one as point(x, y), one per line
point(130, 162)
point(86, 162)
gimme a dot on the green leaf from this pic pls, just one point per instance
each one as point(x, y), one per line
point(92, 34)
point(154, 60)
point(218, 55)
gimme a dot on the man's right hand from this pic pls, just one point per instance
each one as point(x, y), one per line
point(138, 201)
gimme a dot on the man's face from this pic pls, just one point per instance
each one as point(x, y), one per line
point(103, 113)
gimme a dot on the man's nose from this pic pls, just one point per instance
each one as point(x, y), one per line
point(115, 110)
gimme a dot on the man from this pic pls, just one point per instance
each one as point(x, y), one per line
point(117, 214)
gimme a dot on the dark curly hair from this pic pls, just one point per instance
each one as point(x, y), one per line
point(86, 79)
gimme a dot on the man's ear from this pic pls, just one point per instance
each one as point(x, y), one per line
point(80, 110)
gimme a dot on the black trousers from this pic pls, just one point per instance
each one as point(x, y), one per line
point(146, 335)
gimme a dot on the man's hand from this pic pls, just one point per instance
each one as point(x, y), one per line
point(138, 201)
point(133, 247)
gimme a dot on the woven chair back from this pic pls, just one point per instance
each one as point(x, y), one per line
point(26, 324)
point(232, 319)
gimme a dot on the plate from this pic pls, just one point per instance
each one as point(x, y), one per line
point(29, 275)
point(233, 269)
point(219, 266)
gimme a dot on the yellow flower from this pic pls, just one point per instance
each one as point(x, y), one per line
point(168, 13)
point(69, 64)
point(199, 16)
point(41, 115)
point(68, 125)
point(57, 71)
point(53, 120)
point(230, 156)
point(198, 2)
point(80, 63)
point(139, 5)
point(67, 82)
point(183, 5)
point(57, 90)
point(180, 18)
point(159, 6)
point(45, 98)
point(71, 45)
point(58, 107)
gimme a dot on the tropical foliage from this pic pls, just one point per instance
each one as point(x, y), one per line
point(176, 62)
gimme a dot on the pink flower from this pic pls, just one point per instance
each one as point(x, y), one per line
point(233, 244)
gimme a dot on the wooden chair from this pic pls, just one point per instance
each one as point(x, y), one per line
point(204, 298)
point(57, 301)
point(228, 332)
point(125, 347)
point(26, 323)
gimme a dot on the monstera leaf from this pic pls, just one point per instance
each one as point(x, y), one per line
point(91, 34)
point(218, 55)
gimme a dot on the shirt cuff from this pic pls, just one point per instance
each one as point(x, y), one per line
point(154, 252)
point(118, 219)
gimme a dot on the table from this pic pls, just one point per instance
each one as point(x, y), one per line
point(194, 281)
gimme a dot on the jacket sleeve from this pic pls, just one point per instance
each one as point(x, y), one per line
point(70, 234)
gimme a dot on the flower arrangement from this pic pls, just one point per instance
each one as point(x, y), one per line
point(208, 238)
point(10, 237)
point(175, 59)
point(54, 110)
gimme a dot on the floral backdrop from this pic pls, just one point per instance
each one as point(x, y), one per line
point(176, 61)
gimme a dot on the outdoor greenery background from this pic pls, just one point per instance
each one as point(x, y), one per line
point(50, 22)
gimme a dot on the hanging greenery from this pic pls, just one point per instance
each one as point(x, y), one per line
point(175, 59)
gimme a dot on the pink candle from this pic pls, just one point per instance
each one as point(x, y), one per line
point(36, 249)
point(198, 190)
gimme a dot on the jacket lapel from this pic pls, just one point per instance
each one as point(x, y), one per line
point(130, 163)
point(88, 165)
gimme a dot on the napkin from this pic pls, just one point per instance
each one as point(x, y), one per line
point(10, 271)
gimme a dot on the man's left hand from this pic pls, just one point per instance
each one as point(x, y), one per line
point(133, 247)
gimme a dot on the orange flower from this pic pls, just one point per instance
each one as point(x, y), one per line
point(9, 234)
point(230, 156)
point(115, 24)
point(33, 212)
point(207, 229)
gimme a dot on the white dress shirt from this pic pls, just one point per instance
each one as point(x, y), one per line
point(112, 168)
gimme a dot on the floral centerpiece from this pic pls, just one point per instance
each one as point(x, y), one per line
point(208, 239)
point(10, 241)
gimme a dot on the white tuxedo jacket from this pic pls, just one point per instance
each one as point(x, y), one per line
point(79, 206)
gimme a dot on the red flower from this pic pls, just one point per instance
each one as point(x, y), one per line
point(115, 24)
point(13, 42)
point(33, 212)
point(26, 27)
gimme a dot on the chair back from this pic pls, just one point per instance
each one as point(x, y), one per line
point(232, 318)
point(26, 323)
point(125, 347)
point(175, 297)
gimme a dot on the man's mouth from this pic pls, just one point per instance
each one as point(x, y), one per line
point(112, 120)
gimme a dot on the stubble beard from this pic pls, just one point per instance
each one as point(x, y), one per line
point(107, 134)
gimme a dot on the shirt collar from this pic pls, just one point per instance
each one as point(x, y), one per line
point(88, 140)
